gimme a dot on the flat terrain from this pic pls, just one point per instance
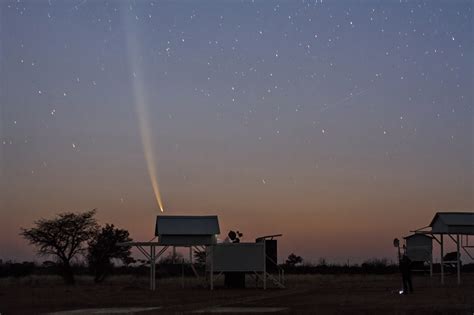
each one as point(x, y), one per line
point(312, 294)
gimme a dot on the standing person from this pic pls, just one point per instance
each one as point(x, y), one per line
point(405, 269)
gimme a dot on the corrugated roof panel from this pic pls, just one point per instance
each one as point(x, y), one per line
point(187, 225)
point(455, 218)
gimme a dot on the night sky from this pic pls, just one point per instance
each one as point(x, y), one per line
point(341, 124)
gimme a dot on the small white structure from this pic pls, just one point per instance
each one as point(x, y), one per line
point(461, 223)
point(419, 248)
point(241, 257)
point(178, 231)
point(458, 226)
point(200, 233)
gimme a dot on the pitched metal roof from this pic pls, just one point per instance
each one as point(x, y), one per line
point(186, 225)
point(454, 218)
point(417, 235)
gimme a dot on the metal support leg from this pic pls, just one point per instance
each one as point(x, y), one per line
point(211, 275)
point(442, 263)
point(150, 255)
point(458, 259)
point(182, 273)
point(264, 267)
point(152, 268)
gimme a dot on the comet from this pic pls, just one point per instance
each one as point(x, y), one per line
point(141, 102)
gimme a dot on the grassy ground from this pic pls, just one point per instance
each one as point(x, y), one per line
point(321, 294)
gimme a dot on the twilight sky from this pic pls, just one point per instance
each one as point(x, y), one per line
point(341, 124)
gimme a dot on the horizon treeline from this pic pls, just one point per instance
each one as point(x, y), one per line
point(168, 268)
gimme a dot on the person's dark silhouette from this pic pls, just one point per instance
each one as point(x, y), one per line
point(405, 268)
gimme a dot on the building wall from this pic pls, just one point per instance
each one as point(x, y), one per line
point(242, 257)
point(187, 240)
point(419, 247)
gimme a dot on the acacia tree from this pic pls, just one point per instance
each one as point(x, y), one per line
point(63, 237)
point(293, 260)
point(104, 247)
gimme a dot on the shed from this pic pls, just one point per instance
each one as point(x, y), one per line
point(453, 223)
point(248, 258)
point(173, 230)
point(419, 247)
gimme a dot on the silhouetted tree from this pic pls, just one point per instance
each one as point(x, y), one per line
point(103, 248)
point(63, 237)
point(293, 260)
